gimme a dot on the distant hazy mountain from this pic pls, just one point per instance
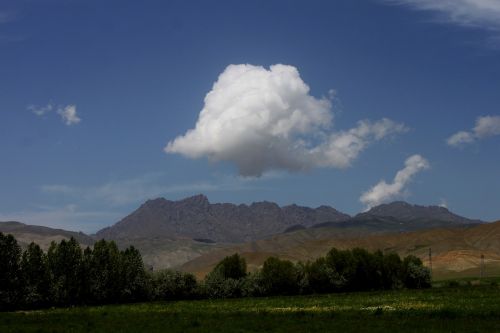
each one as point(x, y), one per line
point(196, 217)
point(406, 212)
point(26, 234)
point(157, 252)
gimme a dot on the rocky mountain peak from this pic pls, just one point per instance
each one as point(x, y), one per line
point(195, 200)
point(196, 217)
point(155, 202)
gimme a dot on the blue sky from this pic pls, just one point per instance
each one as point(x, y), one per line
point(92, 92)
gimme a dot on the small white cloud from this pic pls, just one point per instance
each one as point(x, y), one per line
point(341, 148)
point(263, 120)
point(42, 110)
point(69, 115)
point(332, 94)
point(486, 126)
point(384, 192)
point(460, 138)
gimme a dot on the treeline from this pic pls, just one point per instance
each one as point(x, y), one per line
point(338, 271)
point(69, 275)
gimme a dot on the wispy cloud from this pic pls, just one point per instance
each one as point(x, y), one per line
point(112, 200)
point(483, 14)
point(478, 14)
point(7, 16)
point(67, 113)
point(40, 110)
point(443, 203)
point(384, 192)
point(69, 217)
point(135, 190)
point(486, 126)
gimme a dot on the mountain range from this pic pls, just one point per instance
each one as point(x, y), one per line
point(196, 218)
point(174, 233)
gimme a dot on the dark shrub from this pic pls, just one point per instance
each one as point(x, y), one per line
point(253, 285)
point(343, 263)
point(232, 267)
point(216, 286)
point(392, 268)
point(322, 277)
point(415, 275)
point(367, 270)
point(173, 285)
point(226, 280)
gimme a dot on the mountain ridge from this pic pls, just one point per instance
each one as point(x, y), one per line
point(404, 211)
point(26, 233)
point(196, 217)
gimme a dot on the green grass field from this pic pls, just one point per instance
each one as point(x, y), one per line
point(461, 309)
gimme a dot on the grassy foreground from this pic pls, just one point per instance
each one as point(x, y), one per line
point(461, 309)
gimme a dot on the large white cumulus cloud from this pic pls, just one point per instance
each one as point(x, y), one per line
point(384, 192)
point(263, 119)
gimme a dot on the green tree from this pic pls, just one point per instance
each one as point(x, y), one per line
point(253, 285)
point(322, 276)
point(173, 285)
point(105, 275)
point(367, 270)
point(85, 277)
point(65, 265)
point(232, 267)
point(415, 275)
point(35, 276)
point(343, 263)
point(135, 282)
point(392, 268)
point(10, 272)
point(280, 277)
point(227, 278)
